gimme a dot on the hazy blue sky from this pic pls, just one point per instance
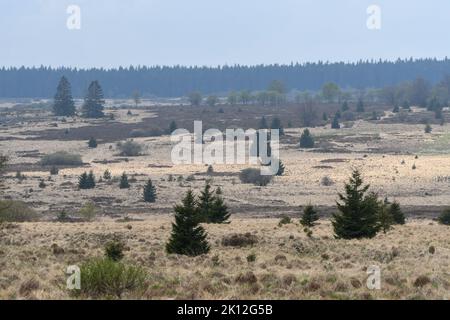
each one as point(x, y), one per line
point(212, 32)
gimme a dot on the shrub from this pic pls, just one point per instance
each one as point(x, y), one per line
point(62, 216)
point(114, 250)
point(444, 218)
point(107, 175)
point(61, 158)
point(306, 139)
point(327, 181)
point(239, 240)
point(92, 143)
point(129, 148)
point(124, 184)
point(284, 220)
point(105, 278)
point(16, 211)
point(428, 128)
point(88, 211)
point(42, 184)
point(254, 176)
point(54, 170)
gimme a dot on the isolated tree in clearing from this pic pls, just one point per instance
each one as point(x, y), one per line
point(149, 192)
point(306, 139)
point(309, 217)
point(124, 183)
point(219, 212)
point(205, 204)
point(187, 237)
point(94, 101)
point(358, 216)
point(63, 102)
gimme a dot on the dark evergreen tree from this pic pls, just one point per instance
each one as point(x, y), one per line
point(281, 168)
point(306, 139)
point(172, 127)
point(219, 211)
point(358, 211)
point(360, 106)
point(345, 106)
point(385, 218)
point(187, 237)
point(107, 175)
point(335, 124)
point(86, 181)
point(396, 213)
point(94, 102)
point(428, 128)
point(396, 109)
point(124, 183)
point(149, 192)
point(205, 203)
point(263, 123)
point(91, 180)
point(276, 124)
point(324, 116)
point(63, 102)
point(92, 143)
point(309, 217)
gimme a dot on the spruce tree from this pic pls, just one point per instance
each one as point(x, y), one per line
point(345, 106)
point(306, 139)
point(276, 124)
point(335, 124)
point(219, 212)
point(396, 213)
point(205, 203)
point(263, 123)
point(91, 180)
point(281, 169)
point(63, 102)
point(309, 217)
point(86, 181)
point(149, 192)
point(187, 237)
point(358, 216)
point(94, 101)
point(172, 127)
point(107, 175)
point(92, 143)
point(360, 106)
point(124, 184)
point(385, 219)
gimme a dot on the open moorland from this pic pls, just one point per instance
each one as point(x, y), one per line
point(396, 157)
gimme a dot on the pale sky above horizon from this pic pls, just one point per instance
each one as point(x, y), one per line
point(217, 32)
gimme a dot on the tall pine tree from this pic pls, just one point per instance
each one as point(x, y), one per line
point(358, 216)
point(94, 101)
point(187, 237)
point(63, 104)
point(309, 217)
point(205, 204)
point(149, 192)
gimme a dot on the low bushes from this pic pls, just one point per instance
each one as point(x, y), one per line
point(61, 158)
point(444, 218)
point(254, 176)
point(16, 211)
point(239, 240)
point(129, 148)
point(105, 278)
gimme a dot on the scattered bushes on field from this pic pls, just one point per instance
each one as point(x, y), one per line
point(114, 250)
point(88, 212)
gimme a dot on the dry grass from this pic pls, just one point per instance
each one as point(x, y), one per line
point(287, 265)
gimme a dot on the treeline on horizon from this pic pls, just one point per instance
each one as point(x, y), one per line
point(177, 81)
